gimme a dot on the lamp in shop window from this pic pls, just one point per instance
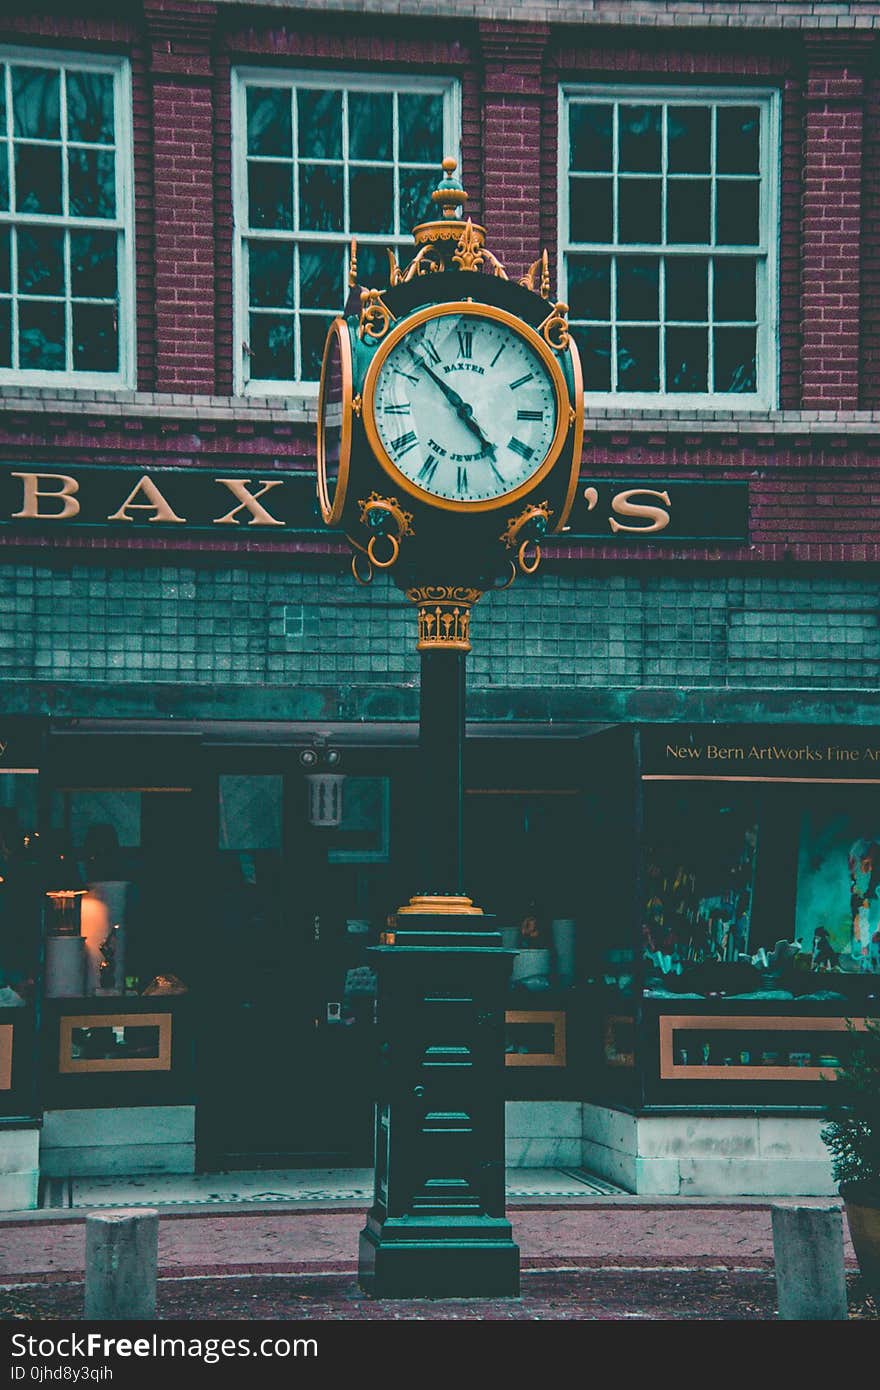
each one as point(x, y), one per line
point(324, 784)
point(65, 961)
point(65, 897)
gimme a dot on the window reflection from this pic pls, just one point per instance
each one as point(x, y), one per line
point(65, 170)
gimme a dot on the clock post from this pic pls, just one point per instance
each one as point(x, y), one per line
point(449, 438)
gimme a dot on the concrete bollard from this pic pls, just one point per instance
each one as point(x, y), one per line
point(808, 1256)
point(122, 1250)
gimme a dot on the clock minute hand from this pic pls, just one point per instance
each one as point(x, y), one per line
point(464, 411)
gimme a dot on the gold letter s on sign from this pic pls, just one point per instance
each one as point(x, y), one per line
point(621, 504)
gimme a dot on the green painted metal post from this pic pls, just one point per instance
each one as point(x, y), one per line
point(437, 1227)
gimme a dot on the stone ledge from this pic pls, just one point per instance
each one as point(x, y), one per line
point(98, 408)
point(729, 14)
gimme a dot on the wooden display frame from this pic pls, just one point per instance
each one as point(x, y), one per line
point(556, 1058)
point(7, 1031)
point(70, 1065)
point(670, 1070)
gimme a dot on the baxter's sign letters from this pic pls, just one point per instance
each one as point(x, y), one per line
point(186, 499)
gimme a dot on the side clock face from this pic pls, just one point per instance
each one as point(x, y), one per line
point(465, 406)
point(334, 422)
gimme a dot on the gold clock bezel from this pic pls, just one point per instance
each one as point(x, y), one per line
point(332, 510)
point(533, 339)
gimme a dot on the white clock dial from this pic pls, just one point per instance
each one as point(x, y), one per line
point(465, 408)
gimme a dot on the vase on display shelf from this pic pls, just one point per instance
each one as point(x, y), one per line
point(562, 930)
point(103, 931)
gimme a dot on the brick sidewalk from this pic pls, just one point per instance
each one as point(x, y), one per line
point(603, 1235)
point(604, 1261)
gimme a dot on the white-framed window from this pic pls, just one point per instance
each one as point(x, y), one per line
point(320, 159)
point(668, 243)
point(66, 274)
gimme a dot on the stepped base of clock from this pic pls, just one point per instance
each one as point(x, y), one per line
point(432, 1258)
point(442, 904)
point(437, 1225)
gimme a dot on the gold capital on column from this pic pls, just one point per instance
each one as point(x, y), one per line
point(444, 616)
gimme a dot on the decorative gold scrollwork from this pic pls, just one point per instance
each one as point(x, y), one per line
point(395, 275)
point(394, 543)
point(444, 616)
point(357, 403)
point(378, 511)
point(528, 566)
point(509, 580)
point(468, 254)
point(554, 329)
point(529, 524)
point(528, 280)
point(375, 318)
point(361, 579)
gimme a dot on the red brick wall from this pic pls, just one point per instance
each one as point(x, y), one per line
point(832, 224)
point(181, 41)
point(809, 499)
point(870, 395)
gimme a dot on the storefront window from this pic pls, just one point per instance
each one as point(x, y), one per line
point(19, 888)
point(760, 891)
point(838, 884)
point(129, 856)
point(699, 880)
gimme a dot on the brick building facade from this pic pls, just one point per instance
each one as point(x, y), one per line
point(185, 179)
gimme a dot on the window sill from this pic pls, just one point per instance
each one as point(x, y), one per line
point(297, 409)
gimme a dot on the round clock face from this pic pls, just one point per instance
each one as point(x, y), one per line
point(334, 423)
point(465, 407)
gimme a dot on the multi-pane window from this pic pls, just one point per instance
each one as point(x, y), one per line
point(667, 240)
point(64, 219)
point(322, 160)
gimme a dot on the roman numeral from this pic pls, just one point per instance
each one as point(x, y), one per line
point(502, 348)
point(465, 342)
point(461, 481)
point(404, 409)
point(521, 381)
point(409, 377)
point(404, 443)
point(516, 446)
point(530, 415)
point(431, 351)
point(428, 469)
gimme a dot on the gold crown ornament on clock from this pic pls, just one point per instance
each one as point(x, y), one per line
point(450, 414)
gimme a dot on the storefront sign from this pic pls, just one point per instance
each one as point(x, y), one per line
point(676, 752)
point(662, 511)
point(234, 503)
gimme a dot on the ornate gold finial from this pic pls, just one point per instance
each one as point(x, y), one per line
point(468, 253)
point(352, 264)
point(449, 193)
point(545, 276)
point(444, 616)
point(542, 264)
point(437, 241)
point(395, 276)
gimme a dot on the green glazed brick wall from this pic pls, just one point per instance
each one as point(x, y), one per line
point(244, 626)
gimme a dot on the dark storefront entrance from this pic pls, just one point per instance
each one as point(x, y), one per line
point(251, 924)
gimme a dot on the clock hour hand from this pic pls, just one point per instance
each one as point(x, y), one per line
point(464, 411)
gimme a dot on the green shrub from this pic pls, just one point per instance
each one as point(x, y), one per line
point(852, 1133)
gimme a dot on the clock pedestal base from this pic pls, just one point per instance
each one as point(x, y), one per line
point(437, 1227)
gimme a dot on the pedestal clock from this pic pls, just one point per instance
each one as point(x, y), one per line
point(449, 439)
